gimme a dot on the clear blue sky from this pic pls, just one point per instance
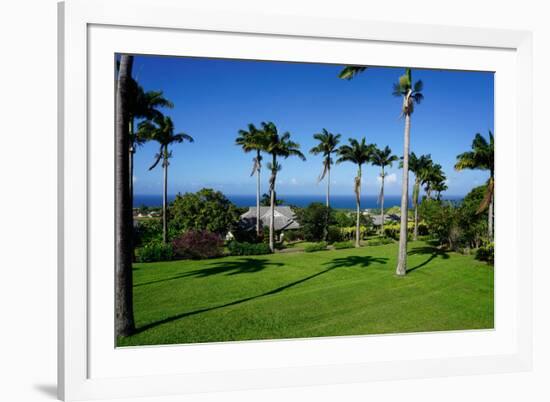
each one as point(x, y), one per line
point(215, 98)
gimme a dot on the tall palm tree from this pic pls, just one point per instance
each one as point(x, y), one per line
point(326, 146)
point(277, 145)
point(254, 140)
point(439, 187)
point(124, 312)
point(143, 105)
point(161, 130)
point(357, 153)
point(411, 94)
point(382, 158)
point(482, 157)
point(419, 166)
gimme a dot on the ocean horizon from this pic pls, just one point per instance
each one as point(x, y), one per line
point(336, 201)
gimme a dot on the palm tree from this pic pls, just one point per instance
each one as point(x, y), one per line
point(411, 94)
point(161, 130)
point(124, 312)
point(277, 145)
point(143, 105)
point(419, 166)
point(439, 187)
point(326, 146)
point(358, 153)
point(382, 158)
point(254, 140)
point(432, 175)
point(481, 157)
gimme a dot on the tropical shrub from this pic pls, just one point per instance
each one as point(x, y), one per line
point(147, 231)
point(392, 230)
point(244, 248)
point(293, 235)
point(313, 220)
point(343, 244)
point(486, 253)
point(204, 210)
point(334, 234)
point(380, 241)
point(198, 244)
point(155, 251)
point(310, 248)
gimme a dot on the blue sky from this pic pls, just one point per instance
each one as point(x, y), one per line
point(215, 98)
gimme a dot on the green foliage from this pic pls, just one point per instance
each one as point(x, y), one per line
point(334, 234)
point(392, 230)
point(293, 235)
point(204, 210)
point(155, 251)
point(380, 241)
point(244, 248)
point(265, 200)
point(344, 219)
point(313, 220)
point(147, 231)
point(486, 253)
point(343, 245)
point(310, 248)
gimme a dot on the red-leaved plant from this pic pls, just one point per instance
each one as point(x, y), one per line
point(198, 244)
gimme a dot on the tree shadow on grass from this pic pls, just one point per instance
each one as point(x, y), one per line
point(356, 261)
point(432, 251)
point(240, 266)
point(351, 261)
point(233, 303)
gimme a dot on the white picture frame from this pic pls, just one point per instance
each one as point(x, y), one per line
point(90, 367)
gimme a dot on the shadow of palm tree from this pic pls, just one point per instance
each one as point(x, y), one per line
point(255, 266)
point(356, 261)
point(240, 266)
point(233, 303)
point(432, 251)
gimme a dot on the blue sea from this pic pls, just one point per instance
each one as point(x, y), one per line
point(336, 201)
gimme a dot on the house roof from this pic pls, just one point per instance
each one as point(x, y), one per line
point(284, 217)
point(387, 218)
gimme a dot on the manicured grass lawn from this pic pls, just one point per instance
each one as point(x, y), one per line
point(326, 293)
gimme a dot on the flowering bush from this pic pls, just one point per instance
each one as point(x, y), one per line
point(198, 244)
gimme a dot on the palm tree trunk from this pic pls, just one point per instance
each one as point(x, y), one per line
point(272, 205)
point(328, 186)
point(131, 152)
point(382, 203)
point(258, 187)
point(124, 312)
point(358, 208)
point(402, 255)
point(415, 201)
point(490, 222)
point(327, 215)
point(165, 198)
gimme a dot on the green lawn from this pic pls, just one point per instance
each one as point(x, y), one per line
point(326, 293)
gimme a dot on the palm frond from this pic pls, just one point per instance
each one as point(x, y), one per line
point(350, 72)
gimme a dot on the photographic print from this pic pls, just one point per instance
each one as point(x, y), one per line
point(260, 200)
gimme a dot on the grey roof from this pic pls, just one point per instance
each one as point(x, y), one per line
point(387, 218)
point(284, 217)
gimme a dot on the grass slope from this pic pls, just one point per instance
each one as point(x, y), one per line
point(327, 293)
